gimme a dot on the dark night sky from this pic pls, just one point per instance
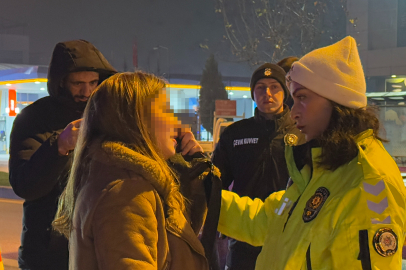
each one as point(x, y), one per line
point(179, 25)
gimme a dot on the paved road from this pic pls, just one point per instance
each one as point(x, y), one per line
point(10, 230)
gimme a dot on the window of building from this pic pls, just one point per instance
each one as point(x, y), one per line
point(382, 24)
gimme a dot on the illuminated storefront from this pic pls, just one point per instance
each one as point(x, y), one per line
point(20, 85)
point(29, 83)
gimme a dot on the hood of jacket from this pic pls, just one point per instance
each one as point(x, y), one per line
point(75, 56)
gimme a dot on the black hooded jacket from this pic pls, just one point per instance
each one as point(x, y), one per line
point(38, 173)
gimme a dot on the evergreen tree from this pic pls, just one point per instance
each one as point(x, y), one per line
point(212, 88)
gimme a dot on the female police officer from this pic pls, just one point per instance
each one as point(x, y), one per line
point(345, 205)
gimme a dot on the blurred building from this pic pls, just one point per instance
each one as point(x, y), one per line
point(14, 49)
point(380, 30)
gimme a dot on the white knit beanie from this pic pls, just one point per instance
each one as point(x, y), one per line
point(333, 72)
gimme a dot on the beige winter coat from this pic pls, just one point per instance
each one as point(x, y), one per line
point(121, 222)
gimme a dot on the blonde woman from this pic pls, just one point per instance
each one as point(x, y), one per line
point(122, 208)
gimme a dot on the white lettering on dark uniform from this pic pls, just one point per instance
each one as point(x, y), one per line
point(245, 141)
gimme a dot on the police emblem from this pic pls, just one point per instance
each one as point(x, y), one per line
point(385, 242)
point(268, 72)
point(290, 139)
point(315, 203)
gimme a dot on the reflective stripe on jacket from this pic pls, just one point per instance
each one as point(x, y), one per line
point(356, 223)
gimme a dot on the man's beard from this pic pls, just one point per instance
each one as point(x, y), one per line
point(80, 105)
point(77, 106)
point(68, 99)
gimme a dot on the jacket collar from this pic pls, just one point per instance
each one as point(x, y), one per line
point(280, 121)
point(362, 139)
point(122, 156)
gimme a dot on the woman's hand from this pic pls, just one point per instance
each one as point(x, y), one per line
point(188, 144)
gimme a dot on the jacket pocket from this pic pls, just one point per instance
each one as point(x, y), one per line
point(364, 254)
point(385, 242)
point(378, 245)
point(308, 259)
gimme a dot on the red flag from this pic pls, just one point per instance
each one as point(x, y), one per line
point(135, 54)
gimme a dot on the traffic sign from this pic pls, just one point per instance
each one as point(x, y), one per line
point(226, 107)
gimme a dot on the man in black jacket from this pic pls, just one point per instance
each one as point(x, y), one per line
point(250, 153)
point(42, 139)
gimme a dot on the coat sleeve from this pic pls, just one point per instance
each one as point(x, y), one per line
point(245, 219)
point(125, 228)
point(35, 166)
point(191, 187)
point(221, 159)
point(370, 234)
point(387, 216)
point(197, 208)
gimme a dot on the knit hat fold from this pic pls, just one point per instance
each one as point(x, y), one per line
point(333, 72)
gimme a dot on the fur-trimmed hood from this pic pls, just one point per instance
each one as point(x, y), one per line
point(122, 156)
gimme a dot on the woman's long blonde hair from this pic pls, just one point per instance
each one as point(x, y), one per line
point(115, 112)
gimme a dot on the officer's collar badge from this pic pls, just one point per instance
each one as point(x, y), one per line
point(385, 242)
point(315, 203)
point(290, 139)
point(267, 72)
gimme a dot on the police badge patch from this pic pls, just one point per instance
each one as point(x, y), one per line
point(315, 203)
point(290, 139)
point(385, 242)
point(268, 72)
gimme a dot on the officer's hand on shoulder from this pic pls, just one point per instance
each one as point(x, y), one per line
point(68, 138)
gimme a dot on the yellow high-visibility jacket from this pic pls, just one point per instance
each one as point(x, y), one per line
point(1, 262)
point(352, 218)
